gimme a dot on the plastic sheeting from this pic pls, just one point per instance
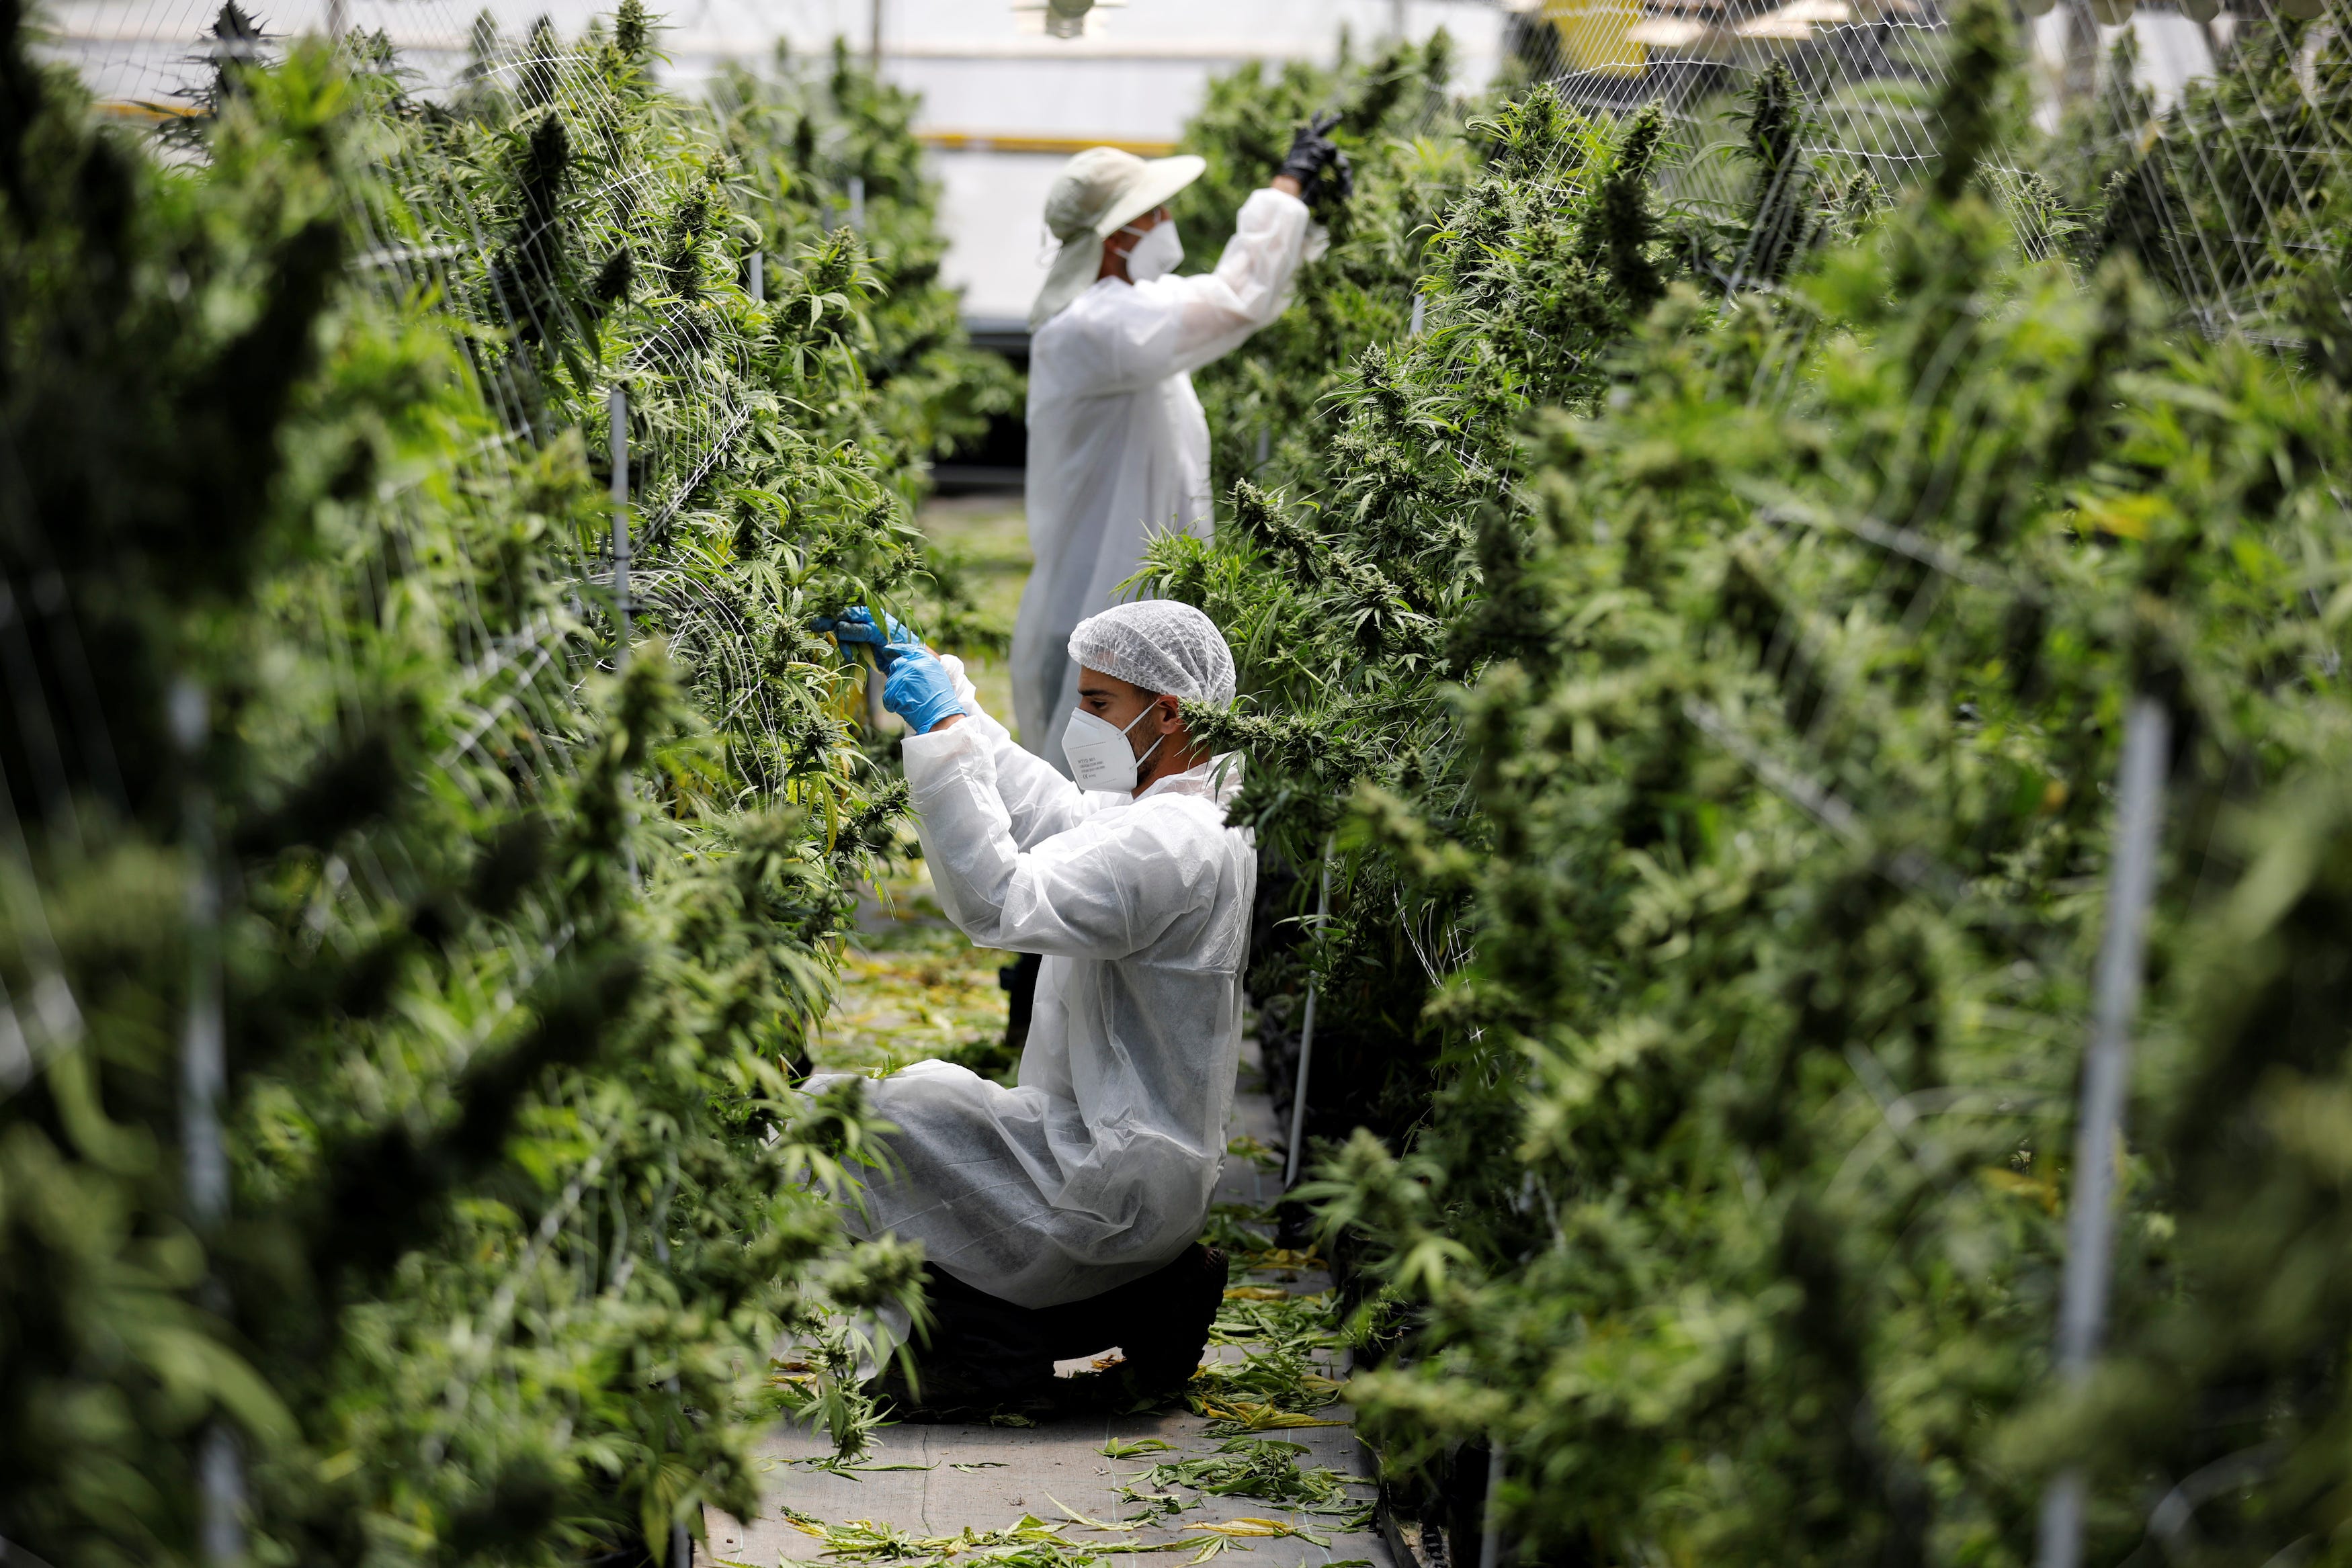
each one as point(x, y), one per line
point(1099, 1167)
point(1118, 448)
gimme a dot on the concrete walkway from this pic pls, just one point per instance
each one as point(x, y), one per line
point(988, 1478)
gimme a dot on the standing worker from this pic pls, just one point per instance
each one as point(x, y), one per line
point(1062, 1217)
point(1118, 449)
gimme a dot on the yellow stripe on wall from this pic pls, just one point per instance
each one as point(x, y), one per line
point(1014, 142)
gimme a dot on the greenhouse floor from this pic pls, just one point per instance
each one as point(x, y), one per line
point(929, 1484)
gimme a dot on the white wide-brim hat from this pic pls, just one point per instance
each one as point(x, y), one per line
point(1098, 194)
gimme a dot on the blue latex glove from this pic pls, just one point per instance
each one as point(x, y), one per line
point(919, 689)
point(856, 624)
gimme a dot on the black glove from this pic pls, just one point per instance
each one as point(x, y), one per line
point(1312, 151)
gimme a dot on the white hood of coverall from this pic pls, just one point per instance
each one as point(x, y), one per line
point(1118, 449)
point(1099, 1167)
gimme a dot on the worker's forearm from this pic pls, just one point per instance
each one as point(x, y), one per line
point(948, 723)
point(1287, 185)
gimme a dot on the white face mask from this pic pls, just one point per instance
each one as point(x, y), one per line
point(1097, 751)
point(1156, 253)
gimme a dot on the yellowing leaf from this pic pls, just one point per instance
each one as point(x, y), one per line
point(2019, 1185)
point(2125, 517)
point(1256, 1417)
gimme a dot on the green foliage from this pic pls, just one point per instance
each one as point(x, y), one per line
point(2235, 195)
point(315, 713)
point(2236, 1374)
point(1712, 707)
point(802, 132)
point(1699, 655)
point(1403, 133)
point(1783, 220)
point(1352, 600)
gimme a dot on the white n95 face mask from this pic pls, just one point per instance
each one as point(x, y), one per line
point(1097, 751)
point(1156, 255)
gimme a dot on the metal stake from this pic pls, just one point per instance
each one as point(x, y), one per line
point(617, 407)
point(1490, 1541)
point(617, 437)
point(760, 276)
point(220, 1479)
point(1420, 305)
point(857, 203)
point(2107, 1074)
point(204, 1079)
point(202, 1045)
point(1306, 1041)
point(681, 1539)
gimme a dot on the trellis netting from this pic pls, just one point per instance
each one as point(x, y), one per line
point(2192, 135)
point(404, 975)
point(1703, 551)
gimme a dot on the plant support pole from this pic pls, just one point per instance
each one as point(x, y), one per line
point(617, 408)
point(1490, 1540)
point(681, 1539)
point(2106, 1075)
point(204, 1077)
point(1306, 1039)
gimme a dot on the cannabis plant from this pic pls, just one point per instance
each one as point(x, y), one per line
point(343, 825)
point(2234, 197)
point(1354, 598)
point(1403, 131)
point(824, 146)
point(1702, 666)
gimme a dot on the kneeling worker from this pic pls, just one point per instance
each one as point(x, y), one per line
point(1061, 1217)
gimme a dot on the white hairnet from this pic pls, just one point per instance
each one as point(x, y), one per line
point(1168, 648)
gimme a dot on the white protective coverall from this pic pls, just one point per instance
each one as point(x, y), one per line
point(1118, 448)
point(1097, 1168)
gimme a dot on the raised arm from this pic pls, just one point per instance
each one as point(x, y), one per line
point(1038, 802)
point(1175, 324)
point(928, 689)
